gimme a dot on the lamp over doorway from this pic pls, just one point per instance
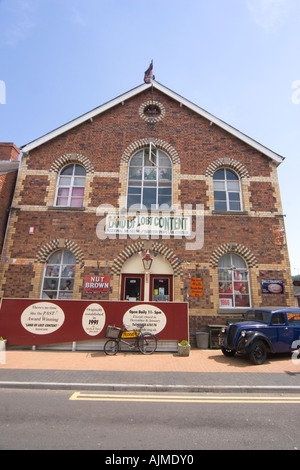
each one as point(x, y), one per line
point(147, 261)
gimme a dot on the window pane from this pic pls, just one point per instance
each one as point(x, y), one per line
point(68, 257)
point(150, 174)
point(76, 202)
point(234, 206)
point(65, 181)
point(55, 258)
point(63, 192)
point(149, 197)
point(50, 284)
point(80, 170)
point(137, 159)
point(134, 190)
point(66, 284)
point(165, 174)
point(164, 160)
point(62, 201)
point(234, 197)
point(238, 261)
point(219, 185)
point(219, 175)
point(77, 192)
point(230, 175)
point(67, 170)
point(79, 181)
point(220, 206)
point(135, 173)
point(233, 185)
point(131, 200)
point(147, 161)
point(225, 261)
point(220, 195)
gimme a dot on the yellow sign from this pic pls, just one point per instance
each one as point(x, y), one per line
point(130, 334)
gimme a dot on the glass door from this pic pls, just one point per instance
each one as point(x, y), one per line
point(161, 288)
point(132, 288)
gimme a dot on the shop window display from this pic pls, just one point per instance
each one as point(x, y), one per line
point(233, 278)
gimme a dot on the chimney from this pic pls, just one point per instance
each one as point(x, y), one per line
point(9, 151)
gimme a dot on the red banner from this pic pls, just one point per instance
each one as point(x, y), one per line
point(36, 322)
point(96, 284)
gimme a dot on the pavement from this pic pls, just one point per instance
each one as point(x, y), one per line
point(205, 370)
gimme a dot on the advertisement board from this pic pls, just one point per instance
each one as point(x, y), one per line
point(27, 322)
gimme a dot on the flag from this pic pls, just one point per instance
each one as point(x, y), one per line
point(149, 77)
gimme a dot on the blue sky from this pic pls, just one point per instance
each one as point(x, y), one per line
point(238, 59)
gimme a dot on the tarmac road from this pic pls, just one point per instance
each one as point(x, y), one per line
point(118, 422)
point(202, 371)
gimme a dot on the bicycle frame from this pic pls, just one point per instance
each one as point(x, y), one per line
point(131, 334)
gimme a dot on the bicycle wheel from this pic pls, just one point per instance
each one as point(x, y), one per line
point(111, 347)
point(147, 343)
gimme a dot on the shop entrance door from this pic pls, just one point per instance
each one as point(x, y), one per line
point(132, 287)
point(161, 288)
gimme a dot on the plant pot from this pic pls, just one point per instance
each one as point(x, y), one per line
point(3, 351)
point(184, 350)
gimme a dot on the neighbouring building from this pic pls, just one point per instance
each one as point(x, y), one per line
point(149, 177)
point(9, 165)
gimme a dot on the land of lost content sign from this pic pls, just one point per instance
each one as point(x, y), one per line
point(148, 225)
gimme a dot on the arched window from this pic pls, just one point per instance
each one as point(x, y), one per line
point(70, 187)
point(233, 282)
point(59, 273)
point(150, 179)
point(227, 190)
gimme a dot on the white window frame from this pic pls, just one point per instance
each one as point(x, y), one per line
point(152, 155)
point(59, 273)
point(228, 191)
point(233, 270)
point(71, 186)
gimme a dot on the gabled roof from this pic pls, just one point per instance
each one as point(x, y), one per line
point(135, 91)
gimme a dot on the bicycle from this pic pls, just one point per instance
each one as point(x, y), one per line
point(146, 342)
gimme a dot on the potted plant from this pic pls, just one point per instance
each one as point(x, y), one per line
point(184, 348)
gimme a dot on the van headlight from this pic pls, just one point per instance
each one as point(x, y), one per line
point(223, 330)
point(243, 333)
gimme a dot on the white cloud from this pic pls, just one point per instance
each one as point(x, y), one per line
point(268, 14)
point(22, 20)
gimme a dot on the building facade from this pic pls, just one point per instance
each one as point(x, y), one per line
point(9, 165)
point(149, 175)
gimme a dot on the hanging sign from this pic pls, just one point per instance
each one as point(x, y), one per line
point(279, 236)
point(96, 284)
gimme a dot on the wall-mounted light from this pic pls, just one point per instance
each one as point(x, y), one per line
point(147, 261)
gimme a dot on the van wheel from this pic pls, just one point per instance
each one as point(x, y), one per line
point(258, 353)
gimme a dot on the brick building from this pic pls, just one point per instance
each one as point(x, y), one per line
point(217, 242)
point(9, 165)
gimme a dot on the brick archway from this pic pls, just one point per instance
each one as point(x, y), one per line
point(228, 163)
point(57, 244)
point(233, 248)
point(160, 144)
point(72, 158)
point(156, 248)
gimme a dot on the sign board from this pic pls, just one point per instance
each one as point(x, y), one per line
point(148, 225)
point(196, 287)
point(272, 286)
point(96, 284)
point(36, 322)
